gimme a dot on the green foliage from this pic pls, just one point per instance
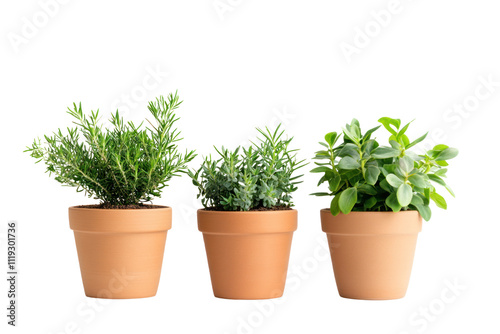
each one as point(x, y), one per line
point(250, 178)
point(364, 176)
point(125, 165)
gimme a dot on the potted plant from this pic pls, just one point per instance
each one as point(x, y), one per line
point(247, 220)
point(380, 194)
point(120, 241)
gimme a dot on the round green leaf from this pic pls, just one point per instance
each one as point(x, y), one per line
point(370, 202)
point(424, 211)
point(385, 152)
point(406, 164)
point(413, 155)
point(387, 122)
point(367, 189)
point(440, 147)
point(441, 172)
point(417, 200)
point(439, 200)
point(347, 200)
point(368, 146)
point(331, 138)
point(334, 206)
point(394, 181)
point(348, 163)
point(395, 144)
point(393, 203)
point(333, 184)
point(385, 185)
point(418, 180)
point(371, 175)
point(349, 149)
point(446, 154)
point(405, 193)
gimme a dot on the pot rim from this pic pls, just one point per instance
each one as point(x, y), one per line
point(247, 222)
point(157, 207)
point(372, 212)
point(371, 222)
point(247, 212)
point(93, 220)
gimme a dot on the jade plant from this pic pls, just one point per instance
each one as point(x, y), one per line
point(364, 176)
point(255, 178)
point(126, 165)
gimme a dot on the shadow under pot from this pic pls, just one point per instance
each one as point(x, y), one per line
point(372, 252)
point(120, 250)
point(248, 251)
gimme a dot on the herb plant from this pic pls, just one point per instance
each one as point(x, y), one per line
point(125, 165)
point(258, 177)
point(363, 176)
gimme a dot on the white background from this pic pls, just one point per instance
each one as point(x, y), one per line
point(255, 63)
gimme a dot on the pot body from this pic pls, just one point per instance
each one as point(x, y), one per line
point(120, 251)
point(372, 252)
point(248, 252)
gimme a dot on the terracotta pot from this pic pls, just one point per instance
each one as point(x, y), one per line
point(248, 251)
point(372, 252)
point(120, 251)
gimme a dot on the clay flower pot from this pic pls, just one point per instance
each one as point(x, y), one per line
point(372, 252)
point(120, 251)
point(248, 251)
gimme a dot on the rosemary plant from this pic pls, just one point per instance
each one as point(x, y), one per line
point(254, 178)
point(122, 166)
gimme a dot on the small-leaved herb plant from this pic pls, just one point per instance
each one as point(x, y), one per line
point(126, 165)
point(255, 178)
point(364, 176)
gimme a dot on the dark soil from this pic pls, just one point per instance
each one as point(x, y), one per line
point(121, 207)
point(274, 208)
